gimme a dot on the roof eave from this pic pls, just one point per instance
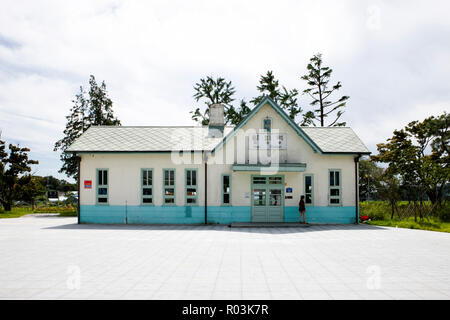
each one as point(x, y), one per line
point(131, 151)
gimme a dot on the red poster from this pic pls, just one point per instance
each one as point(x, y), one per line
point(87, 184)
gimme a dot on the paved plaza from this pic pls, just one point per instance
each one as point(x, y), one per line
point(54, 258)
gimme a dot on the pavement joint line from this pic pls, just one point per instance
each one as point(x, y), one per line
point(149, 261)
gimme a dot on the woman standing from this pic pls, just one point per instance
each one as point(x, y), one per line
point(302, 209)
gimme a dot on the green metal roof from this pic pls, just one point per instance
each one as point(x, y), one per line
point(336, 139)
point(323, 140)
point(145, 139)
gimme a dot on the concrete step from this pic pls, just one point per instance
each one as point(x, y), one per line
point(267, 225)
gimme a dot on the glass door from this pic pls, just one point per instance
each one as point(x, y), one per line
point(267, 198)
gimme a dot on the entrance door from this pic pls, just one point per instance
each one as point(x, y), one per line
point(267, 198)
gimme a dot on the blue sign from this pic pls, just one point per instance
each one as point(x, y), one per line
point(288, 190)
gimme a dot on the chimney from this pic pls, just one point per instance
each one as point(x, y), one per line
point(216, 120)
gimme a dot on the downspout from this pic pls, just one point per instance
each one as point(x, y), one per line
point(79, 187)
point(205, 158)
point(356, 190)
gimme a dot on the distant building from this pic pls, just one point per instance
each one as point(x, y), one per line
point(54, 196)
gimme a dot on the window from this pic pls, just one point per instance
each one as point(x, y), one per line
point(191, 186)
point(259, 197)
point(146, 186)
point(278, 141)
point(102, 186)
point(259, 180)
point(275, 180)
point(334, 189)
point(275, 197)
point(267, 141)
point(226, 189)
point(309, 189)
point(267, 124)
point(169, 186)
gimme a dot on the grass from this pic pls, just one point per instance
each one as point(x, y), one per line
point(17, 212)
point(380, 214)
point(429, 224)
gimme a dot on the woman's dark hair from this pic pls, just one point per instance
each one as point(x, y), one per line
point(302, 197)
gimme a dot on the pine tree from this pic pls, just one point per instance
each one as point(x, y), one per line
point(268, 86)
point(235, 116)
point(77, 123)
point(287, 99)
point(100, 105)
point(214, 91)
point(318, 78)
point(95, 108)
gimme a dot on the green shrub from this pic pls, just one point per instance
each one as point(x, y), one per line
point(375, 210)
point(444, 212)
point(55, 209)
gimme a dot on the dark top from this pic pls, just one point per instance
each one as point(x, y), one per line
point(301, 205)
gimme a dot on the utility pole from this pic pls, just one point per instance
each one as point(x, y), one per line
point(368, 186)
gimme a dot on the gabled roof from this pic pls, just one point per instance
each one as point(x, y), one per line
point(327, 140)
point(324, 140)
point(336, 139)
point(268, 100)
point(145, 139)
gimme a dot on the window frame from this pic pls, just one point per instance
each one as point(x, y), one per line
point(98, 186)
point(223, 192)
point(164, 197)
point(339, 187)
point(264, 127)
point(312, 188)
point(147, 187)
point(191, 186)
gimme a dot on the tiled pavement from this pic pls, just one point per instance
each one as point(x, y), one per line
point(54, 258)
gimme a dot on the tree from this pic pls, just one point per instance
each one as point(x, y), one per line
point(287, 99)
point(54, 184)
point(268, 86)
point(405, 153)
point(369, 176)
point(319, 90)
point(214, 91)
point(100, 106)
point(433, 171)
point(94, 108)
point(389, 189)
point(235, 116)
point(31, 190)
point(13, 169)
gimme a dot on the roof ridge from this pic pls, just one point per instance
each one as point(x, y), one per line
point(324, 127)
point(115, 126)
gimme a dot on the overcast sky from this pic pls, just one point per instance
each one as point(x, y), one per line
point(392, 57)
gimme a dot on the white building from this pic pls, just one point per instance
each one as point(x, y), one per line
point(254, 172)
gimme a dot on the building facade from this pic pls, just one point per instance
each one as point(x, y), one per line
point(254, 172)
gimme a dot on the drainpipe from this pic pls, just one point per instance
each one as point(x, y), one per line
point(79, 186)
point(356, 189)
point(205, 158)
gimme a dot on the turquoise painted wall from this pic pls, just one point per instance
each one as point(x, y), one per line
point(192, 215)
point(161, 214)
point(322, 214)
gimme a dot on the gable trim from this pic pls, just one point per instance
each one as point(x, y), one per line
point(283, 114)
